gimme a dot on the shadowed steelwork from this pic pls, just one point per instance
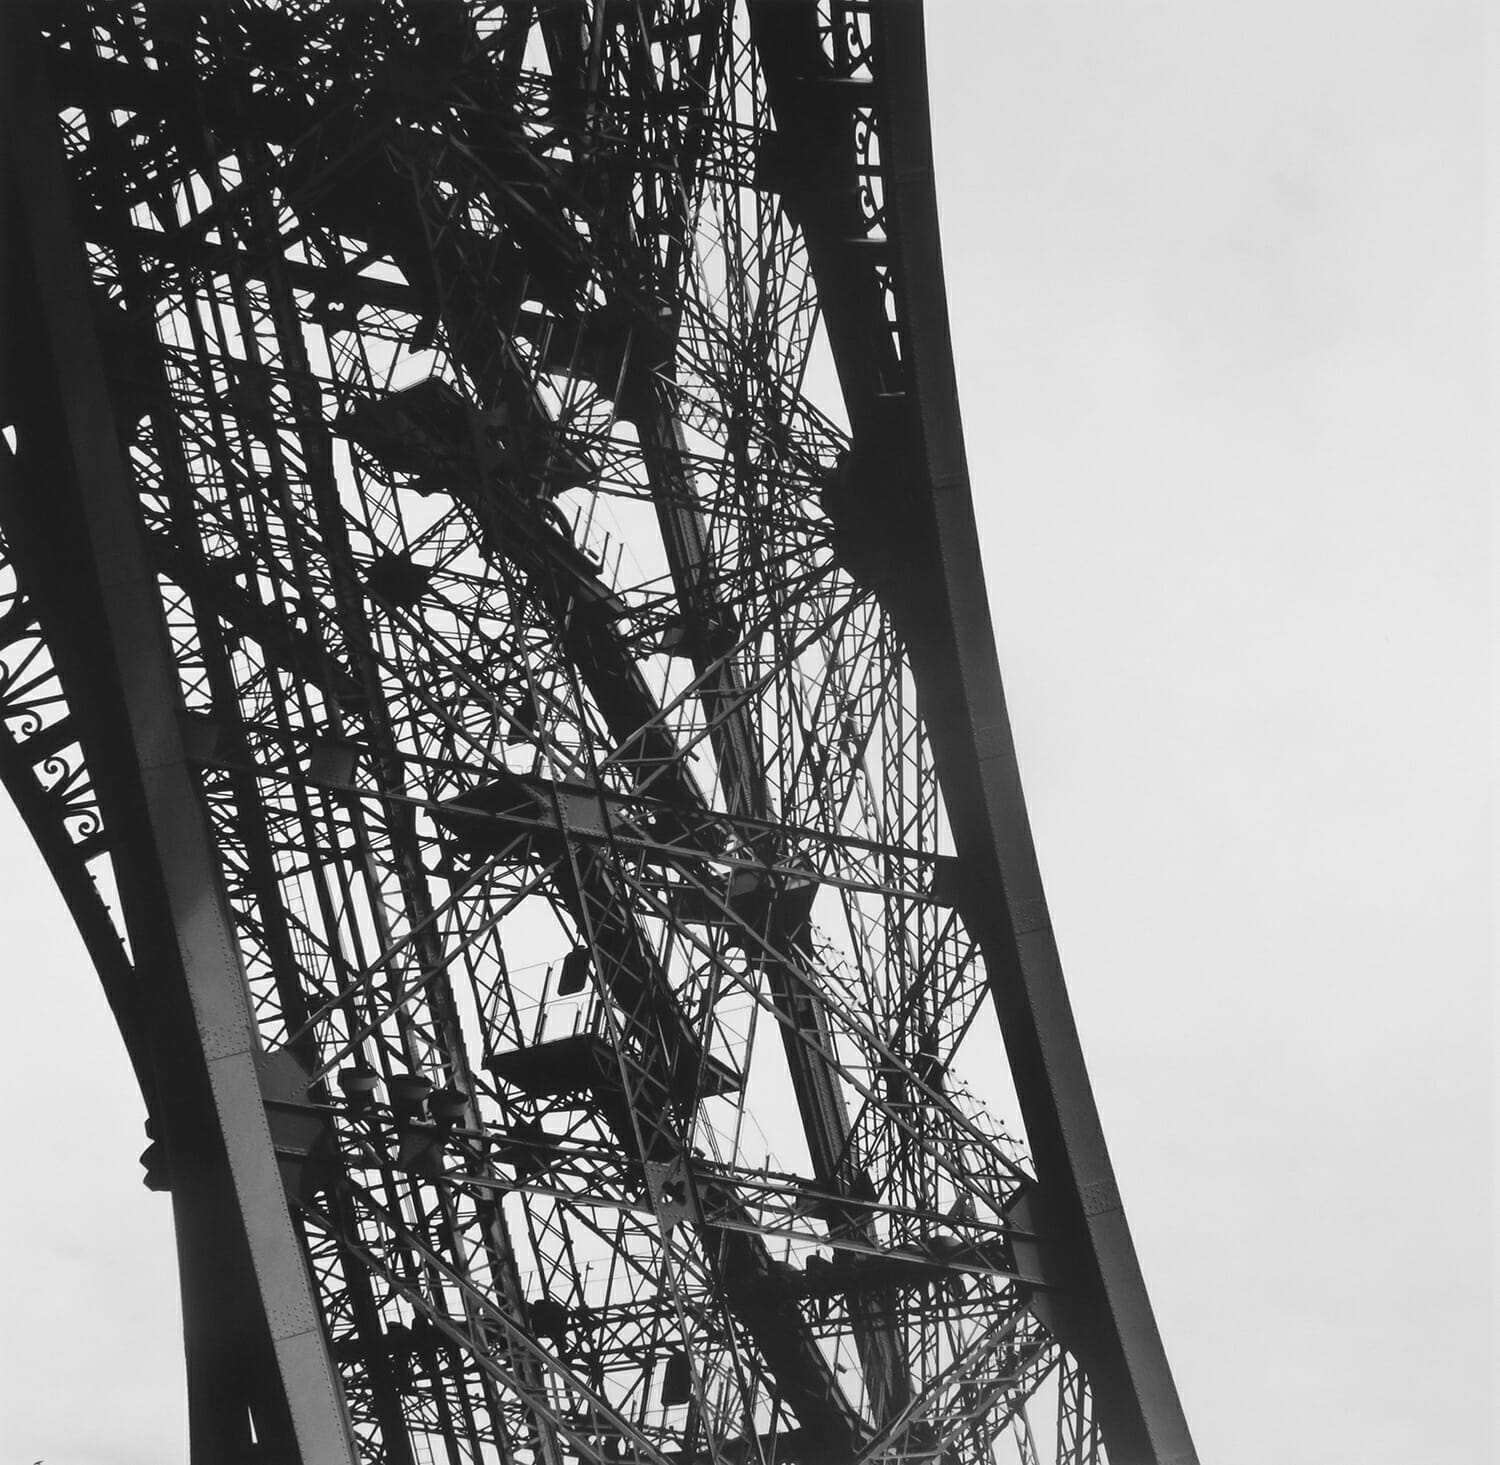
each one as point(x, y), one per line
point(493, 650)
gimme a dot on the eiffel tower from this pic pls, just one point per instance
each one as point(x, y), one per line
point(494, 653)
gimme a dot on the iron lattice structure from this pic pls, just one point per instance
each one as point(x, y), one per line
point(495, 656)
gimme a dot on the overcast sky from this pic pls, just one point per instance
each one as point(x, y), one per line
point(1217, 279)
point(1218, 289)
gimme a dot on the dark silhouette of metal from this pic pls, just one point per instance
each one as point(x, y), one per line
point(495, 656)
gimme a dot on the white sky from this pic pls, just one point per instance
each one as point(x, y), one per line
point(1218, 289)
point(1217, 279)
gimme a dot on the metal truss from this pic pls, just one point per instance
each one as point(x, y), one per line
point(490, 652)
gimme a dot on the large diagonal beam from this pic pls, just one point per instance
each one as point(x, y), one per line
point(206, 1049)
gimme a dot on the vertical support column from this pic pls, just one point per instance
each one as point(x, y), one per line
point(167, 864)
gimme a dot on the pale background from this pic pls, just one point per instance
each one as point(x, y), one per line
point(1218, 285)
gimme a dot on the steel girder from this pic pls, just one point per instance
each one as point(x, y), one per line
point(543, 736)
